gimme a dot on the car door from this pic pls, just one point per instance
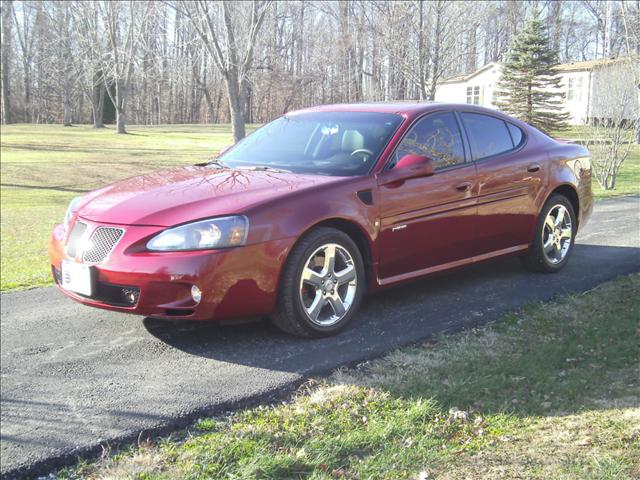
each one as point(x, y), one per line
point(426, 224)
point(508, 182)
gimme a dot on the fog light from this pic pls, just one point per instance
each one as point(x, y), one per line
point(196, 294)
point(130, 295)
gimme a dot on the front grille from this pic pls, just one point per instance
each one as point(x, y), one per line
point(77, 232)
point(102, 241)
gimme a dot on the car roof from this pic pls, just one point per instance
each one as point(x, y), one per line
point(413, 109)
point(382, 107)
point(407, 109)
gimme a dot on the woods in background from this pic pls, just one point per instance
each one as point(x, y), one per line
point(196, 61)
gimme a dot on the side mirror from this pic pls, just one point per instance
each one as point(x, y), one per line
point(409, 166)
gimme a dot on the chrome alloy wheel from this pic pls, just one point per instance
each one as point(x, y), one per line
point(328, 284)
point(556, 234)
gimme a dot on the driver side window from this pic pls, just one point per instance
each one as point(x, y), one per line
point(436, 136)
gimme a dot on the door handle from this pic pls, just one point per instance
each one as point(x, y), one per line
point(534, 167)
point(464, 186)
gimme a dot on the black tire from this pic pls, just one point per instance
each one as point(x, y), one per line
point(535, 259)
point(291, 316)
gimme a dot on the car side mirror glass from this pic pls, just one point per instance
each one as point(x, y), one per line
point(410, 166)
point(418, 163)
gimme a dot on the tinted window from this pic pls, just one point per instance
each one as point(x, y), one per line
point(488, 135)
point(436, 136)
point(516, 134)
point(323, 143)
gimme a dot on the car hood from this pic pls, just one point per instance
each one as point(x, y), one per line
point(171, 197)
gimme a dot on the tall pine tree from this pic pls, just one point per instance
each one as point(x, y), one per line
point(529, 88)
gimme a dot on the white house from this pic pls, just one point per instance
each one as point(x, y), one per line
point(594, 89)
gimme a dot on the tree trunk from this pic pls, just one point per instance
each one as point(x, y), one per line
point(471, 54)
point(556, 20)
point(28, 111)
point(67, 118)
point(436, 51)
point(121, 95)
point(97, 106)
point(237, 122)
point(216, 110)
point(209, 101)
point(236, 106)
point(5, 52)
point(245, 88)
point(422, 71)
point(66, 104)
point(120, 121)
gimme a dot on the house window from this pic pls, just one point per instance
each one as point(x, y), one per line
point(473, 95)
point(574, 89)
point(570, 87)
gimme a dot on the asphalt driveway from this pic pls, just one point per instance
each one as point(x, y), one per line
point(73, 377)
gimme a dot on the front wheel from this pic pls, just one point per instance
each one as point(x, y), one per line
point(322, 285)
point(554, 237)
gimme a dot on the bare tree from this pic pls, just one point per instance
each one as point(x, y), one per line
point(616, 119)
point(5, 63)
point(630, 14)
point(25, 22)
point(232, 53)
point(59, 51)
point(123, 23)
point(185, 61)
point(90, 48)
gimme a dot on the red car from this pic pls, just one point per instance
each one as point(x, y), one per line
point(314, 209)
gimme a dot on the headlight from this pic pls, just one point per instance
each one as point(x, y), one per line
point(213, 233)
point(73, 205)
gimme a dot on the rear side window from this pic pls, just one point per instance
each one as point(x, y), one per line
point(436, 136)
point(488, 135)
point(516, 134)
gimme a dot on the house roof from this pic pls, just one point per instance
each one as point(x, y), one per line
point(565, 67)
point(588, 64)
point(464, 78)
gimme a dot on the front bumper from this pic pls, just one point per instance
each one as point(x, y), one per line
point(237, 282)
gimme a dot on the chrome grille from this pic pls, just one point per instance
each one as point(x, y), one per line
point(77, 232)
point(101, 242)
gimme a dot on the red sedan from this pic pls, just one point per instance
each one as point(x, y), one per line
point(301, 218)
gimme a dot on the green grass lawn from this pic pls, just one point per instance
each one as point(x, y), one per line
point(549, 392)
point(44, 166)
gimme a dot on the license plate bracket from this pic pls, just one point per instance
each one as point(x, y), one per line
point(78, 277)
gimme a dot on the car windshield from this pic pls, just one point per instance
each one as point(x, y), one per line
point(323, 143)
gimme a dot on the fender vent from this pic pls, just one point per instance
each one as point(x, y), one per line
point(365, 197)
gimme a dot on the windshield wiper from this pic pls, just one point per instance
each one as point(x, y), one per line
point(217, 163)
point(265, 168)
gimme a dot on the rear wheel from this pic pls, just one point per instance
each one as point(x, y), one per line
point(322, 284)
point(554, 238)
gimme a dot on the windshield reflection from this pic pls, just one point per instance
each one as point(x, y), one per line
point(321, 143)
